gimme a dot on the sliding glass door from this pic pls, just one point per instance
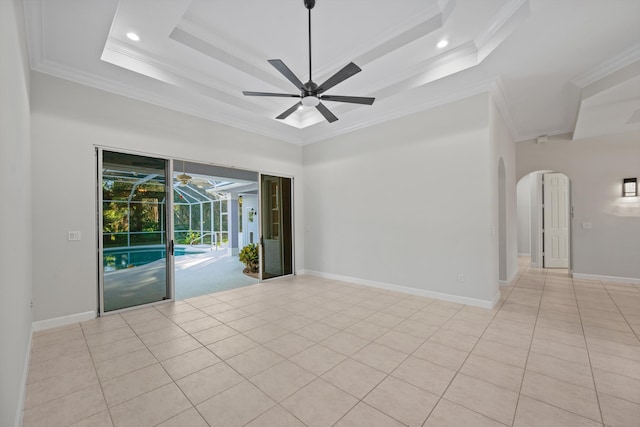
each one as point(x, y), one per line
point(277, 226)
point(133, 244)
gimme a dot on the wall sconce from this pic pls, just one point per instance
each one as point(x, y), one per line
point(630, 187)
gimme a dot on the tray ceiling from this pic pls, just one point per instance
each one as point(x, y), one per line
point(552, 66)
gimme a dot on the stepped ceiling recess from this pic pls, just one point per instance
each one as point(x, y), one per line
point(553, 66)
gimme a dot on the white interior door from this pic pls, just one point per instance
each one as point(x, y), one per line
point(556, 220)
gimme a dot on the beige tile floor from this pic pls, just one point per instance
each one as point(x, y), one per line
point(316, 352)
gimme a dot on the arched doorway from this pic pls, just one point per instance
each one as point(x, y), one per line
point(544, 219)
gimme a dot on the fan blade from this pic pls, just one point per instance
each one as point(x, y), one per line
point(326, 113)
point(349, 70)
point(280, 66)
point(289, 111)
point(350, 99)
point(279, 95)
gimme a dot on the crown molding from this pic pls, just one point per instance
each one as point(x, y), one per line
point(507, 19)
point(460, 58)
point(118, 53)
point(501, 98)
point(130, 91)
point(35, 37)
point(418, 26)
point(566, 130)
point(425, 103)
point(195, 37)
point(228, 108)
point(616, 63)
point(214, 46)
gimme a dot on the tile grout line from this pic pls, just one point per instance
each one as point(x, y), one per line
point(358, 400)
point(93, 363)
point(586, 343)
point(556, 379)
point(462, 364)
point(175, 381)
point(633, 331)
point(327, 296)
point(387, 375)
point(524, 370)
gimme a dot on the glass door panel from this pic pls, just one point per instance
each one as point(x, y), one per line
point(133, 244)
point(277, 231)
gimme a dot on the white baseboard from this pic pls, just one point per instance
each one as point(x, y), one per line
point(509, 280)
point(534, 265)
point(614, 279)
point(495, 299)
point(23, 383)
point(524, 254)
point(63, 320)
point(412, 291)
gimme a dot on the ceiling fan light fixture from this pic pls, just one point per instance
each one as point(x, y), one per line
point(184, 179)
point(310, 101)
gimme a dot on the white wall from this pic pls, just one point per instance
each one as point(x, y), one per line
point(504, 147)
point(596, 168)
point(15, 215)
point(68, 121)
point(524, 215)
point(406, 203)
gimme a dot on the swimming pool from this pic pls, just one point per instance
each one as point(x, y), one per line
point(133, 256)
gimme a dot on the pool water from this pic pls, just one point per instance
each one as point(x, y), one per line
point(128, 257)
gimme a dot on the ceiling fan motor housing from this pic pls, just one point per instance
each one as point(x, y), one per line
point(310, 89)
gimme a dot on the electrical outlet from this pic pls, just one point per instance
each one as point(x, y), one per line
point(74, 235)
point(460, 278)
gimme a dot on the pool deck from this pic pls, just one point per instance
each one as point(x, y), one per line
point(195, 275)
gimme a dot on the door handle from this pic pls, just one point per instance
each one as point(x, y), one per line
point(172, 247)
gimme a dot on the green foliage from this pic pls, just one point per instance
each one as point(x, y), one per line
point(132, 209)
point(249, 257)
point(190, 237)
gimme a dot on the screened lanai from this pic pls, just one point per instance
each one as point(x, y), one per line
point(200, 212)
point(207, 227)
point(133, 217)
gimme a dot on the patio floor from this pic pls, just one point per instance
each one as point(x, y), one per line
point(197, 274)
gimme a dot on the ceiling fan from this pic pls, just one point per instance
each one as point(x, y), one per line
point(312, 94)
point(183, 177)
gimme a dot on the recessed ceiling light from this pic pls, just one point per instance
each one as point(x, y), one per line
point(442, 44)
point(133, 36)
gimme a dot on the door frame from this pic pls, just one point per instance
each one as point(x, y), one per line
point(98, 149)
point(261, 230)
point(540, 223)
point(170, 269)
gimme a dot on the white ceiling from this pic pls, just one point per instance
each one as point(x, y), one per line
point(553, 66)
